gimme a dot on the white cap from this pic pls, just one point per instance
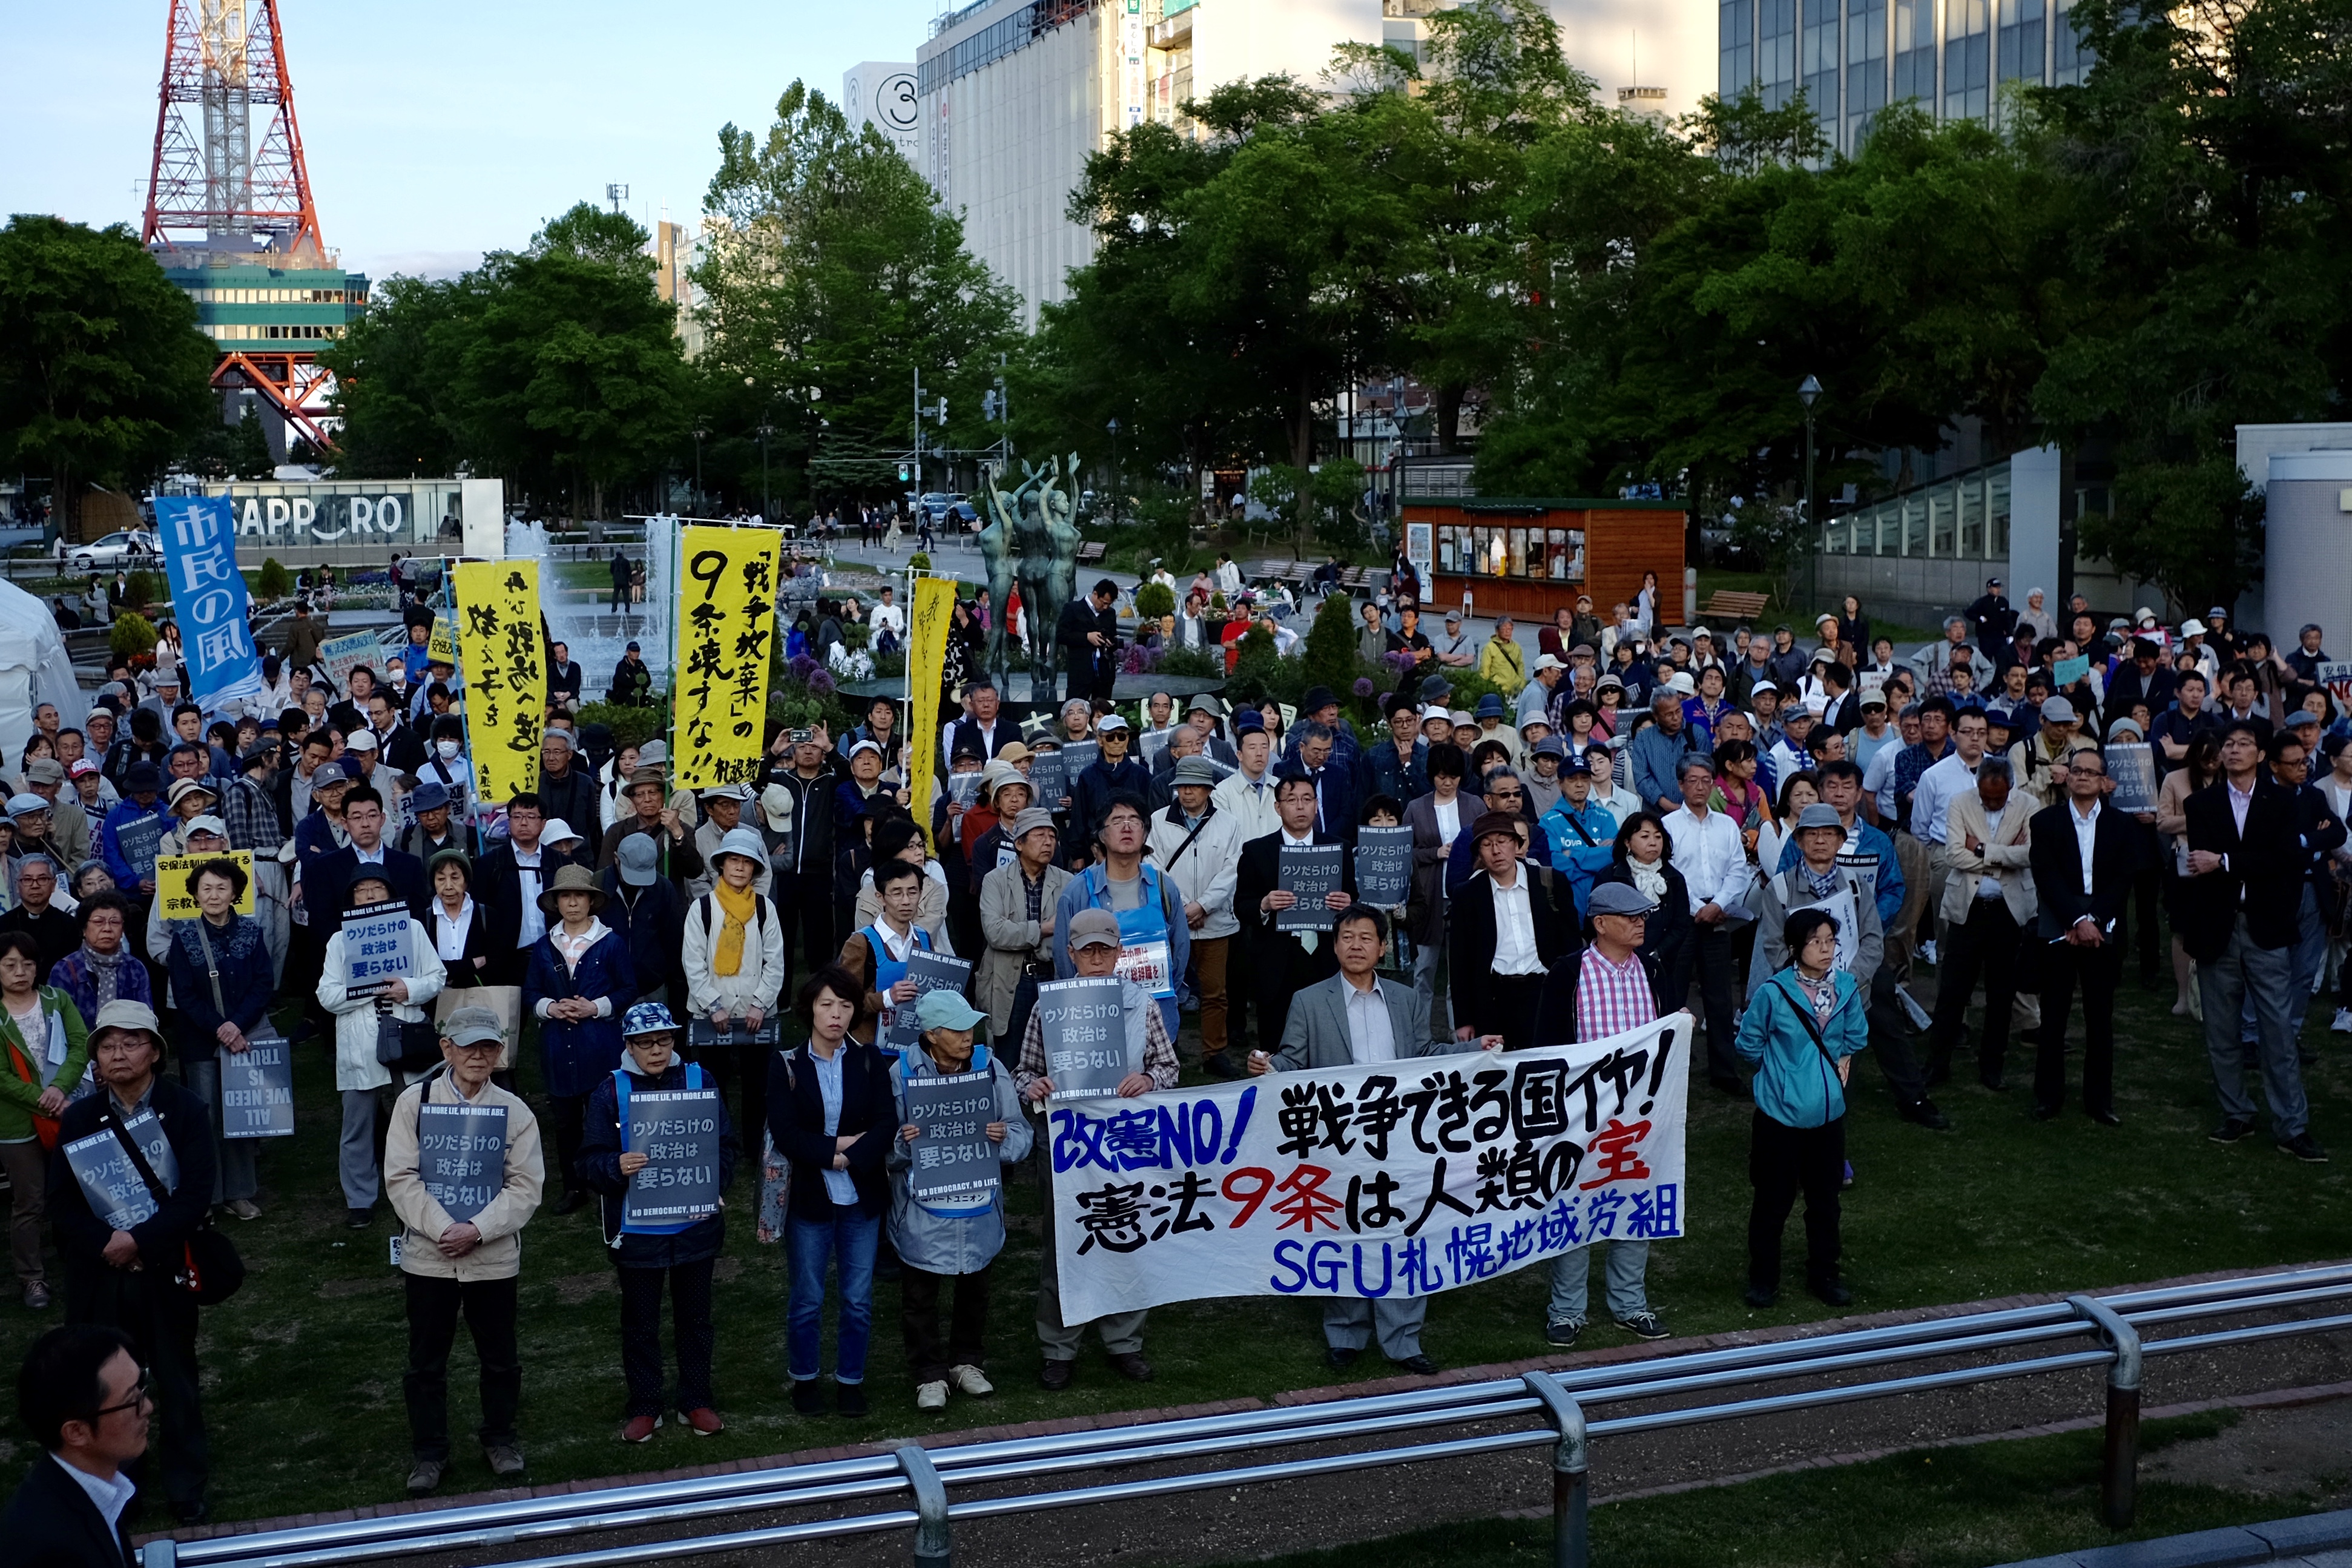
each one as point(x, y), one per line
point(1435, 711)
point(1680, 681)
point(2192, 627)
point(1549, 661)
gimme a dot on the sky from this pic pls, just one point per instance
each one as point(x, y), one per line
point(436, 130)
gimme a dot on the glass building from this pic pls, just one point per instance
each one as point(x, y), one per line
point(1852, 58)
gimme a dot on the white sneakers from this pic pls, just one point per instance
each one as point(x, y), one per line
point(969, 1380)
point(2343, 1025)
point(932, 1396)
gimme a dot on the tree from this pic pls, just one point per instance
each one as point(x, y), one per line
point(393, 387)
point(835, 278)
point(103, 374)
point(249, 448)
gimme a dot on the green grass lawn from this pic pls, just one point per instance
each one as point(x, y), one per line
point(1944, 1508)
point(303, 1369)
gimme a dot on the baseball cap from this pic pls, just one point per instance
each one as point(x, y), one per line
point(2058, 711)
point(1093, 928)
point(648, 1019)
point(636, 857)
point(207, 824)
point(44, 770)
point(945, 1010)
point(1819, 815)
point(81, 765)
point(1109, 722)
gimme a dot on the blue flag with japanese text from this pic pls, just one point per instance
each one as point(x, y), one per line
point(199, 536)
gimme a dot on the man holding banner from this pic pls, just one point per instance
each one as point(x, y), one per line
point(1098, 1034)
point(1356, 1018)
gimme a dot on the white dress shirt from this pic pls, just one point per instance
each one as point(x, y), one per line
point(2086, 830)
point(1449, 819)
point(1712, 857)
point(1370, 1036)
point(1931, 801)
point(534, 920)
point(1514, 928)
point(109, 1497)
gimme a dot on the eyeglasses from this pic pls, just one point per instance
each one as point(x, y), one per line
point(142, 1393)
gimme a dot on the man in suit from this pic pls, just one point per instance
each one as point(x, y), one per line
point(2083, 857)
point(1088, 635)
point(325, 879)
point(86, 1399)
point(508, 882)
point(2246, 853)
point(1987, 902)
point(986, 731)
point(1510, 923)
point(1283, 963)
point(1356, 1018)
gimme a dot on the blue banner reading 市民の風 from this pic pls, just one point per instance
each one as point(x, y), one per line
point(199, 536)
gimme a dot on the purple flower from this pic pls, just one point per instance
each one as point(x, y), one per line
point(821, 682)
point(1363, 686)
point(1399, 660)
point(802, 666)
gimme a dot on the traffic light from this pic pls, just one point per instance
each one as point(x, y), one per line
point(988, 402)
point(942, 417)
point(902, 473)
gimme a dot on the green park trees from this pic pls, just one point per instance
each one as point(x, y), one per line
point(102, 373)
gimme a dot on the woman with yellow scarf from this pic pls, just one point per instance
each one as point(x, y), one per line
point(734, 964)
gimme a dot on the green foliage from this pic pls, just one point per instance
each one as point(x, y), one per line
point(131, 636)
point(918, 561)
point(1258, 669)
point(146, 588)
point(1153, 600)
point(1194, 662)
point(833, 270)
point(103, 374)
point(1329, 656)
point(273, 581)
point(249, 456)
point(557, 368)
point(630, 725)
point(856, 634)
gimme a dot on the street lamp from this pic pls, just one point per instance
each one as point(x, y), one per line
point(1807, 392)
point(699, 432)
point(766, 430)
point(1115, 471)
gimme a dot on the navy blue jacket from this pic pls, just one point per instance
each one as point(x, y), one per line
point(244, 986)
point(600, 1170)
point(327, 881)
point(1090, 794)
point(579, 1056)
point(655, 929)
point(82, 1234)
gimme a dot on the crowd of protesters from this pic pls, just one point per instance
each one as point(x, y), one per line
point(1780, 835)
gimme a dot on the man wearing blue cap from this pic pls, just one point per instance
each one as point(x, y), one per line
point(1582, 833)
point(434, 829)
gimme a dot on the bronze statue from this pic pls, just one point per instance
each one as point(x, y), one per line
point(1032, 538)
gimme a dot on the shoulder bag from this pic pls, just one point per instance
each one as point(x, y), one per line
point(44, 1127)
point(210, 1268)
point(1804, 1012)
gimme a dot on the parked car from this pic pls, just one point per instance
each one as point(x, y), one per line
point(127, 547)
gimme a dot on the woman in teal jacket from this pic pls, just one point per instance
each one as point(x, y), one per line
point(1801, 1030)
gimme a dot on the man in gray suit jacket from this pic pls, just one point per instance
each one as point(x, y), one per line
point(1353, 1018)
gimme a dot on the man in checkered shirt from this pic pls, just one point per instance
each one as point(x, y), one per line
point(248, 808)
point(1613, 994)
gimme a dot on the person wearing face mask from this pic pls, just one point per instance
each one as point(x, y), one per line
point(445, 762)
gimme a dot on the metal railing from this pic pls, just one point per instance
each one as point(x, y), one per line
point(910, 1489)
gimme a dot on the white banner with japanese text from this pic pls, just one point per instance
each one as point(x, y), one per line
point(1401, 1178)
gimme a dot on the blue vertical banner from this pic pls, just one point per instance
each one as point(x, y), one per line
point(208, 594)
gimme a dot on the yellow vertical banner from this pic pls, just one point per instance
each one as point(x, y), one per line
point(506, 674)
point(928, 617)
point(726, 641)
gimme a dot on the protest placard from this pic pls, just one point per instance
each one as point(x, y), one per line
point(199, 539)
point(2133, 767)
point(930, 613)
point(2067, 671)
point(930, 972)
point(952, 1155)
point(376, 947)
point(2336, 676)
point(963, 789)
point(726, 632)
point(175, 882)
point(1084, 1036)
point(1149, 744)
point(701, 1033)
point(1078, 756)
point(1383, 866)
point(677, 1132)
point(139, 841)
point(1398, 1178)
point(342, 655)
point(506, 674)
point(117, 1193)
point(441, 643)
point(1312, 872)
point(461, 1155)
point(258, 1088)
point(1048, 784)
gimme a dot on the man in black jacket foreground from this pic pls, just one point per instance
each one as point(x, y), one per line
point(85, 1397)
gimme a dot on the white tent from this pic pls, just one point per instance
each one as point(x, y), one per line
point(33, 669)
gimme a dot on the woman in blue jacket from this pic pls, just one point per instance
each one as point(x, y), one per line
point(1801, 1029)
point(220, 980)
point(683, 1253)
point(579, 984)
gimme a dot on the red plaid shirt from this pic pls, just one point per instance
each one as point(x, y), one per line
point(1611, 998)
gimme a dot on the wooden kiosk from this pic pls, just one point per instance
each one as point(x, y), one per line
point(1528, 556)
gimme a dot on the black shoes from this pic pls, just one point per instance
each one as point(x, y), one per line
point(1924, 1114)
point(1419, 1365)
point(2044, 1112)
point(572, 1202)
point(1729, 1086)
point(1832, 1291)
point(1056, 1374)
point(2304, 1148)
point(2233, 1129)
point(1562, 1335)
point(808, 1397)
point(2106, 1119)
point(1132, 1367)
point(1339, 1356)
point(849, 1399)
point(1760, 1296)
point(358, 1219)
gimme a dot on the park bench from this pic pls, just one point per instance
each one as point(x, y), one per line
point(1091, 552)
point(1729, 605)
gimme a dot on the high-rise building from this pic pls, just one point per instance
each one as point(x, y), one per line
point(1852, 58)
point(1014, 95)
point(882, 94)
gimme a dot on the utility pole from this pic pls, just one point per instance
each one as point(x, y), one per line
point(1115, 471)
point(700, 430)
point(766, 505)
point(918, 436)
point(1807, 393)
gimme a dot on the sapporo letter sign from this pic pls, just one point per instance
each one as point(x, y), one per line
point(461, 1155)
point(677, 1132)
point(1083, 1031)
point(506, 673)
point(257, 1089)
point(1397, 1179)
point(725, 633)
point(952, 1154)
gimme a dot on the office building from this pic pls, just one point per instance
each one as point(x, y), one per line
point(882, 94)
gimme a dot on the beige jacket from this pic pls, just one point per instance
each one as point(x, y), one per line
point(500, 1256)
point(2005, 857)
point(2029, 763)
point(1012, 940)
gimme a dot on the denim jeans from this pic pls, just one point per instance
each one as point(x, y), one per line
point(1627, 1260)
point(849, 1239)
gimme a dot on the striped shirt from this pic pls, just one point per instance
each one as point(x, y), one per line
point(1611, 998)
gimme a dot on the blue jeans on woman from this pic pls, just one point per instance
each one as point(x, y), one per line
point(850, 1240)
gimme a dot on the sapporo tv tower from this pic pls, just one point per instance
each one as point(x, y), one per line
point(230, 215)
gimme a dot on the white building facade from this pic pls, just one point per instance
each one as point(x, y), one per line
point(881, 93)
point(1013, 95)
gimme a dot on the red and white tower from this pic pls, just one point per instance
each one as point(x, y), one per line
point(213, 184)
